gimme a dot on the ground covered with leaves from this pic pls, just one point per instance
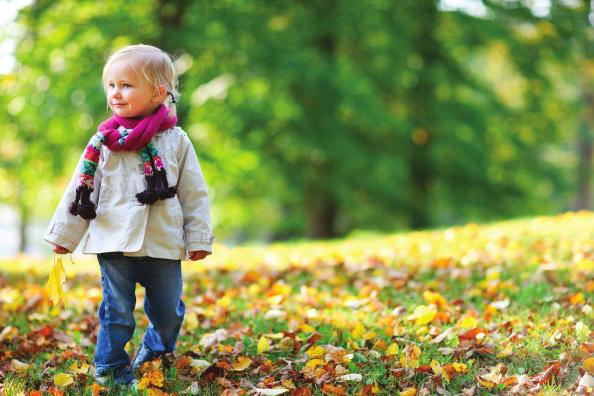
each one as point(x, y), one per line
point(503, 308)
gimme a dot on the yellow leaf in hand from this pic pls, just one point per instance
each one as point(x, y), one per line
point(63, 380)
point(57, 276)
point(263, 345)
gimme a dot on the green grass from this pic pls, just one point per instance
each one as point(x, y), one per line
point(533, 263)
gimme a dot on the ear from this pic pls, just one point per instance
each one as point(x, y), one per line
point(160, 94)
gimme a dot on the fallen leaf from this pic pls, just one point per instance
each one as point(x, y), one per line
point(409, 392)
point(19, 366)
point(424, 314)
point(329, 389)
point(350, 377)
point(63, 380)
point(315, 351)
point(467, 322)
point(270, 392)
point(392, 349)
point(263, 344)
point(242, 363)
point(588, 365)
point(586, 384)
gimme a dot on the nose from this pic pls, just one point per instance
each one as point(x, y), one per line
point(114, 92)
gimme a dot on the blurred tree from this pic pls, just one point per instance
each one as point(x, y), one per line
point(556, 51)
point(316, 117)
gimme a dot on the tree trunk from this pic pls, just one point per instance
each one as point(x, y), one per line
point(421, 97)
point(584, 174)
point(321, 215)
point(320, 201)
point(585, 138)
point(23, 219)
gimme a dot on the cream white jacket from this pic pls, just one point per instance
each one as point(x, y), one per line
point(168, 228)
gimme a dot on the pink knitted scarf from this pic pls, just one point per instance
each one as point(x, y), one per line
point(140, 140)
point(143, 130)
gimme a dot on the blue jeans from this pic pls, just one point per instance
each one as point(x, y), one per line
point(162, 281)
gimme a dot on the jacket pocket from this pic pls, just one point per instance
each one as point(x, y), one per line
point(174, 210)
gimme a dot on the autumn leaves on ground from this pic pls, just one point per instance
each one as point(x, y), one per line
point(505, 308)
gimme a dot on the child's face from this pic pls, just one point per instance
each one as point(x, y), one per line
point(128, 93)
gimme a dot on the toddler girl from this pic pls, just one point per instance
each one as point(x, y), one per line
point(139, 194)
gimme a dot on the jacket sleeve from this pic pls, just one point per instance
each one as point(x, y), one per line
point(65, 229)
point(193, 196)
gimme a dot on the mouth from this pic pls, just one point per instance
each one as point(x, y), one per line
point(118, 104)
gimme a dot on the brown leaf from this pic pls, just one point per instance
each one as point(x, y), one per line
point(441, 337)
point(335, 354)
point(303, 391)
point(547, 375)
point(588, 347)
point(224, 364)
point(313, 338)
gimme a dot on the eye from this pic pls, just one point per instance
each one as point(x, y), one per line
point(125, 85)
point(111, 85)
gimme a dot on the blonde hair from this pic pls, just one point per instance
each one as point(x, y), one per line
point(152, 63)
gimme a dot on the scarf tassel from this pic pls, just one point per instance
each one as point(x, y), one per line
point(82, 205)
point(163, 190)
point(157, 188)
point(148, 196)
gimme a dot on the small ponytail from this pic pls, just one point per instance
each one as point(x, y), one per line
point(172, 106)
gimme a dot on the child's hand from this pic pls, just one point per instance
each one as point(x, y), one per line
point(198, 255)
point(59, 249)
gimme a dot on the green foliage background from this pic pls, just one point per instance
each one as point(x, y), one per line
point(318, 118)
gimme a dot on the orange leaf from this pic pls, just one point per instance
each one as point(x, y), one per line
point(224, 364)
point(303, 391)
point(588, 347)
point(588, 365)
point(452, 370)
point(55, 392)
point(471, 334)
point(95, 389)
point(332, 390)
point(183, 362)
point(435, 298)
point(577, 298)
point(156, 378)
